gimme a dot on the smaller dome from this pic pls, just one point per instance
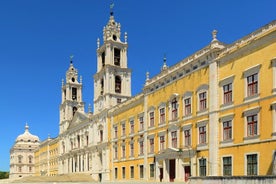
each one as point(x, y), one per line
point(27, 136)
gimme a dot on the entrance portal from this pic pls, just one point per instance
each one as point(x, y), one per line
point(172, 170)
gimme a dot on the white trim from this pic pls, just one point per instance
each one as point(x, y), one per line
point(245, 161)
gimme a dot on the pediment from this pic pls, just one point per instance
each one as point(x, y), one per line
point(78, 118)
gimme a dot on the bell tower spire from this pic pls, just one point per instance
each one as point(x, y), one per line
point(71, 101)
point(112, 82)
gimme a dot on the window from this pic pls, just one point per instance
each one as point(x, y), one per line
point(131, 126)
point(187, 134)
point(102, 86)
point(116, 173)
point(19, 169)
point(116, 152)
point(141, 143)
point(123, 172)
point(227, 166)
point(115, 132)
point(202, 135)
point(227, 93)
point(162, 115)
point(162, 142)
point(101, 135)
point(78, 138)
point(202, 101)
point(252, 85)
point(123, 151)
point(30, 159)
point(103, 59)
point(118, 84)
point(119, 100)
point(74, 110)
point(252, 164)
point(132, 172)
point(30, 169)
point(151, 141)
point(187, 106)
point(20, 159)
point(117, 56)
point(141, 122)
point(252, 125)
point(202, 167)
point(87, 140)
point(123, 129)
point(74, 93)
point(141, 171)
point(131, 150)
point(174, 139)
point(174, 109)
point(227, 130)
point(152, 170)
point(151, 114)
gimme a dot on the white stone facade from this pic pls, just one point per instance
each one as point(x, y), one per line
point(22, 160)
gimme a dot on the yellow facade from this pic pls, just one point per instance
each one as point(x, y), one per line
point(46, 158)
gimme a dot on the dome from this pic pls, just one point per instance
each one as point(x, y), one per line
point(27, 136)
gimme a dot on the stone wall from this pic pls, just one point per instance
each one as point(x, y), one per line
point(233, 180)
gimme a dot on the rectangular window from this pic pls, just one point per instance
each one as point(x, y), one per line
point(227, 166)
point(152, 170)
point(252, 85)
point(141, 122)
point(151, 145)
point(252, 164)
point(174, 109)
point(131, 126)
point(187, 106)
point(116, 173)
point(123, 151)
point(151, 119)
point(30, 169)
point(162, 115)
point(202, 135)
point(132, 172)
point(74, 93)
point(115, 132)
point(141, 171)
point(187, 134)
point(227, 93)
point(227, 130)
point(202, 101)
point(119, 100)
point(141, 147)
point(174, 139)
point(162, 142)
point(202, 167)
point(131, 150)
point(123, 129)
point(123, 172)
point(115, 153)
point(252, 125)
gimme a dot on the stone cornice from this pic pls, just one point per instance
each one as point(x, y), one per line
point(244, 45)
point(138, 99)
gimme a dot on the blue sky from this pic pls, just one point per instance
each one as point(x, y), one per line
point(38, 36)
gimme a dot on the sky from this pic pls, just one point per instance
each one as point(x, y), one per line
point(37, 38)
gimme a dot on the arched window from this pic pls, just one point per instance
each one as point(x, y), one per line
point(117, 56)
point(30, 159)
point(118, 84)
point(103, 59)
point(102, 86)
point(20, 158)
point(74, 110)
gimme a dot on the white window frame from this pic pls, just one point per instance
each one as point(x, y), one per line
point(248, 72)
point(222, 83)
point(232, 162)
point(273, 64)
point(203, 88)
point(245, 162)
point(151, 110)
point(161, 106)
point(199, 124)
point(228, 117)
point(250, 112)
point(187, 95)
point(159, 142)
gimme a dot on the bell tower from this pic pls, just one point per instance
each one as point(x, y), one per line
point(112, 82)
point(71, 101)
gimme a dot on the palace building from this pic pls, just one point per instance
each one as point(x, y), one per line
point(211, 114)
